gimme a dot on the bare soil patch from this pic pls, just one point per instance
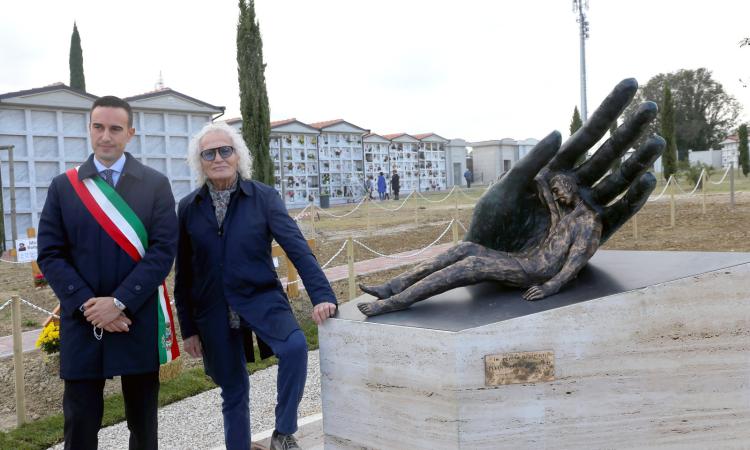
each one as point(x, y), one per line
point(721, 228)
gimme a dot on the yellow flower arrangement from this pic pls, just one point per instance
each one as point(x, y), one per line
point(49, 339)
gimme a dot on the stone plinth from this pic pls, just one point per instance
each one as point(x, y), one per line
point(650, 349)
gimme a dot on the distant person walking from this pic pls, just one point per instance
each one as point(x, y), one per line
point(395, 186)
point(381, 186)
point(369, 187)
point(469, 177)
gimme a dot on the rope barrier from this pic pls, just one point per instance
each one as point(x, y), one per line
point(296, 218)
point(399, 207)
point(697, 184)
point(14, 262)
point(28, 303)
point(470, 197)
point(40, 309)
point(298, 280)
point(462, 226)
point(669, 180)
point(726, 172)
point(437, 201)
point(343, 246)
point(407, 256)
point(344, 215)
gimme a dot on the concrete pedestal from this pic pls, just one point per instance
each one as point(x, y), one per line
point(650, 349)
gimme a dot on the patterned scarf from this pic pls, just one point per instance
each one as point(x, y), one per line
point(221, 199)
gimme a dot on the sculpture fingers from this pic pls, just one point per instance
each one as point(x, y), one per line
point(527, 167)
point(616, 182)
point(595, 127)
point(615, 215)
point(622, 139)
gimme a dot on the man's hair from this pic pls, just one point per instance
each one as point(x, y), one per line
point(245, 164)
point(566, 180)
point(110, 101)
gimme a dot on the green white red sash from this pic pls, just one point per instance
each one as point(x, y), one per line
point(122, 224)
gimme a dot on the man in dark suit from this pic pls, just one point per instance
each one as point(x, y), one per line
point(395, 184)
point(108, 300)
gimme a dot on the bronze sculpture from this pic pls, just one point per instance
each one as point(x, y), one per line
point(538, 226)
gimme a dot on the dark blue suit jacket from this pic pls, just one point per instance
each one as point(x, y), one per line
point(81, 261)
point(233, 265)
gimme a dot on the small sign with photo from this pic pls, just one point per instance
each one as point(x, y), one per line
point(26, 250)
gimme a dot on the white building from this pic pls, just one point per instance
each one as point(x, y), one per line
point(493, 158)
point(377, 158)
point(432, 170)
point(342, 166)
point(710, 157)
point(455, 162)
point(405, 159)
point(48, 128)
point(294, 150)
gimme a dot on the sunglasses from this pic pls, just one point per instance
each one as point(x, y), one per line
point(210, 154)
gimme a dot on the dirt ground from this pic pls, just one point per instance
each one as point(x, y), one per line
point(721, 228)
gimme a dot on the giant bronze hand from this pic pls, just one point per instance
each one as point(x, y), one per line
point(510, 217)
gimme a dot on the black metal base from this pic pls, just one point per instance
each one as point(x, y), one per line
point(608, 272)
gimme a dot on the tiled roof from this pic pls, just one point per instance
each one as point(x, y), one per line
point(163, 91)
point(426, 135)
point(393, 135)
point(52, 87)
point(279, 123)
point(326, 123)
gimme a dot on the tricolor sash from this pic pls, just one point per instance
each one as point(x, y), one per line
point(121, 223)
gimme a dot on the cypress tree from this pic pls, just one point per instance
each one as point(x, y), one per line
point(669, 157)
point(575, 124)
point(77, 80)
point(744, 157)
point(256, 122)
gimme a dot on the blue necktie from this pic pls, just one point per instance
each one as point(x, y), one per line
point(107, 175)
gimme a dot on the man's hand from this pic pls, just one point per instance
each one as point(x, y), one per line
point(120, 325)
point(509, 216)
point(192, 346)
point(322, 311)
point(100, 311)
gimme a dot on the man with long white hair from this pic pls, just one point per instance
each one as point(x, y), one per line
point(226, 285)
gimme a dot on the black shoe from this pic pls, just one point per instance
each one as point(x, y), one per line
point(283, 441)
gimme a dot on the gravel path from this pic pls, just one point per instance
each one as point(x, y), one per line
point(196, 422)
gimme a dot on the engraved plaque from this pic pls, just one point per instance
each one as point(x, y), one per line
point(520, 367)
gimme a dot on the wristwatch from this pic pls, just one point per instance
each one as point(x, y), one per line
point(120, 305)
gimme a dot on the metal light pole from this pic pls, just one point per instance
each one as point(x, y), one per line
point(580, 7)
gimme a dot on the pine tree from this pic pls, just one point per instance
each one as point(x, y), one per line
point(744, 157)
point(669, 157)
point(256, 122)
point(575, 124)
point(612, 128)
point(77, 79)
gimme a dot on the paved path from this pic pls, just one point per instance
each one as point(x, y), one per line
point(29, 343)
point(333, 274)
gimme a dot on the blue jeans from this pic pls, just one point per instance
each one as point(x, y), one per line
point(235, 385)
